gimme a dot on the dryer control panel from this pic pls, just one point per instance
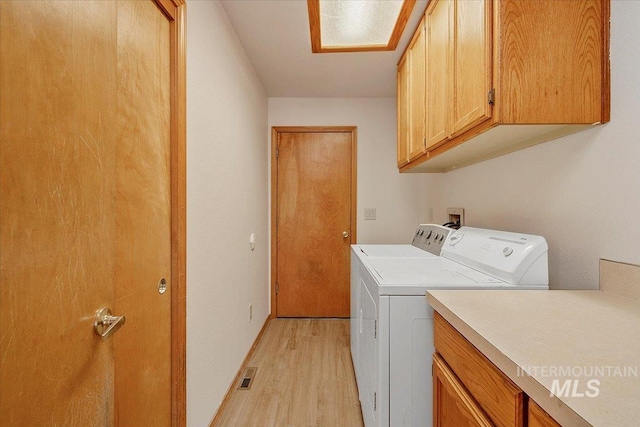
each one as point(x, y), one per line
point(431, 237)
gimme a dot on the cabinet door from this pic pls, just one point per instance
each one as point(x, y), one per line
point(538, 417)
point(403, 112)
point(438, 78)
point(499, 397)
point(453, 406)
point(417, 101)
point(471, 43)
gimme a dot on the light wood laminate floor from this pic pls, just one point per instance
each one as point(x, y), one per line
point(305, 378)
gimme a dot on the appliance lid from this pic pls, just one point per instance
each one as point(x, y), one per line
point(393, 251)
point(425, 272)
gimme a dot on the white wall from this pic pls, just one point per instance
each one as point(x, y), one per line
point(581, 192)
point(397, 198)
point(227, 201)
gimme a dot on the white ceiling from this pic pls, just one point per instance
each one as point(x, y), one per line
point(275, 35)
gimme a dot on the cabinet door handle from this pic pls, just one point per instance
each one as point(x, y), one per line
point(345, 234)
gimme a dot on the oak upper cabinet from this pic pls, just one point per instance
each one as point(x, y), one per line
point(417, 92)
point(403, 112)
point(471, 67)
point(502, 75)
point(439, 88)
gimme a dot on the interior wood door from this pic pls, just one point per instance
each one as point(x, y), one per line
point(471, 64)
point(85, 212)
point(315, 224)
point(143, 216)
point(57, 219)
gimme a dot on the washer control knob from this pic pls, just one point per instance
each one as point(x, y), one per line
point(442, 238)
point(429, 234)
point(507, 251)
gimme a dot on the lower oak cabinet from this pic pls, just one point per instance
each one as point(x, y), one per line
point(538, 417)
point(453, 405)
point(468, 390)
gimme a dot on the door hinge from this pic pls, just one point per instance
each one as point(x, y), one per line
point(277, 288)
point(492, 96)
point(375, 401)
point(277, 152)
point(375, 329)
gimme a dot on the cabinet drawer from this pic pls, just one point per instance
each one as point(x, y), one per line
point(537, 417)
point(498, 396)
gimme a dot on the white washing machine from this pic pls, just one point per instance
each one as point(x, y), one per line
point(394, 323)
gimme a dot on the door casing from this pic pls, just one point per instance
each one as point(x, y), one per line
point(275, 130)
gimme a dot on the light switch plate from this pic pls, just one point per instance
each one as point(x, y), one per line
point(369, 213)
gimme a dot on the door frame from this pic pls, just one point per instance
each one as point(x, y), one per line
point(175, 11)
point(275, 131)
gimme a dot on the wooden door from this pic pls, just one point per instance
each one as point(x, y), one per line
point(315, 221)
point(471, 64)
point(403, 112)
point(143, 212)
point(438, 76)
point(453, 406)
point(417, 94)
point(58, 252)
point(86, 216)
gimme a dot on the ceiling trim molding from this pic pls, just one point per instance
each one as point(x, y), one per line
point(316, 40)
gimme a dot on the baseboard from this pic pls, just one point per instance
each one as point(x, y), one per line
point(234, 383)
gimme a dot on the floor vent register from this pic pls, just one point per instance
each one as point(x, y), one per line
point(247, 379)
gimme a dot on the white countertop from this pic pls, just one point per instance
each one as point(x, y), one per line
point(593, 334)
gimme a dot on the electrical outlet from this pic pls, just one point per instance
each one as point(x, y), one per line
point(370, 213)
point(250, 312)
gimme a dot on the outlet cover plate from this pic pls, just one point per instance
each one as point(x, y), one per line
point(369, 213)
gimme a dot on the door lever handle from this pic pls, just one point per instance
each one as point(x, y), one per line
point(106, 324)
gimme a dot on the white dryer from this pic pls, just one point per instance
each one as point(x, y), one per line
point(394, 323)
point(427, 243)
